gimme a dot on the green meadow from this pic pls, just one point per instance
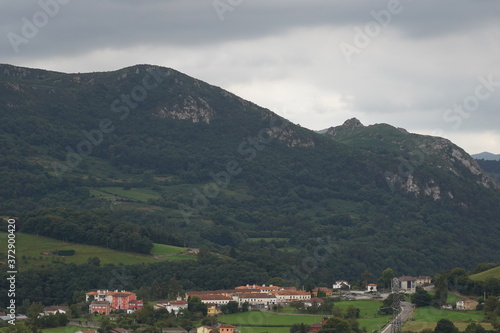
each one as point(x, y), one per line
point(427, 317)
point(483, 276)
point(257, 322)
point(30, 251)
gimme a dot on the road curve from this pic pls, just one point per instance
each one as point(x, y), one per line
point(406, 311)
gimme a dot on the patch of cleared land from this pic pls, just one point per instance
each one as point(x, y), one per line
point(32, 251)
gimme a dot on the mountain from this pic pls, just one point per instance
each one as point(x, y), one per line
point(486, 156)
point(491, 167)
point(415, 152)
point(147, 154)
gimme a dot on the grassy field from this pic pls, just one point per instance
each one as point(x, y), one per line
point(451, 299)
point(247, 329)
point(428, 316)
point(29, 249)
point(257, 318)
point(139, 194)
point(483, 276)
point(368, 311)
point(432, 314)
point(366, 308)
point(166, 250)
point(65, 329)
point(417, 326)
point(256, 322)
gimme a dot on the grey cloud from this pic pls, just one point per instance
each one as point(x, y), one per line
point(84, 25)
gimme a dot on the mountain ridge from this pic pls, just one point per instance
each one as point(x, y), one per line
point(399, 140)
point(486, 156)
point(365, 190)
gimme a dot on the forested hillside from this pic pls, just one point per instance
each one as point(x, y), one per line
point(491, 167)
point(147, 154)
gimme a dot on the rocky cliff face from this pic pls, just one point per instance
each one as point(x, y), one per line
point(415, 152)
point(193, 109)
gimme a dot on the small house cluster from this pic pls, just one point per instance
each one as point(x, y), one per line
point(256, 296)
point(341, 284)
point(409, 284)
point(105, 301)
point(172, 306)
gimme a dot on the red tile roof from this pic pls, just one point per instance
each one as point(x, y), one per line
point(290, 292)
point(316, 300)
point(256, 295)
point(214, 298)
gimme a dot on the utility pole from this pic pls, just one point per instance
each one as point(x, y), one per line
point(396, 306)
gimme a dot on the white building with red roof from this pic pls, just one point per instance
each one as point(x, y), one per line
point(257, 299)
point(341, 284)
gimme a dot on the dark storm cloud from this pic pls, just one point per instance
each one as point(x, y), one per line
point(81, 26)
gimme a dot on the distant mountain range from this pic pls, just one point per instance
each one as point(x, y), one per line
point(154, 155)
point(486, 156)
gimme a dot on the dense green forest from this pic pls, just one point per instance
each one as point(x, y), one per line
point(146, 154)
point(491, 167)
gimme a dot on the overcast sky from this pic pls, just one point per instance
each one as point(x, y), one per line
point(432, 67)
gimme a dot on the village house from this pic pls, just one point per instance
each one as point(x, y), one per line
point(100, 307)
point(341, 284)
point(327, 291)
point(257, 299)
point(86, 331)
point(52, 310)
point(423, 280)
point(315, 327)
point(226, 293)
point(5, 317)
point(287, 296)
point(222, 328)
point(172, 306)
point(407, 283)
point(261, 289)
point(466, 304)
point(134, 305)
point(254, 295)
point(117, 300)
point(226, 328)
point(312, 301)
point(205, 329)
point(213, 310)
point(215, 299)
point(371, 287)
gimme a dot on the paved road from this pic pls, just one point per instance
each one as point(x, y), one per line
point(407, 309)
